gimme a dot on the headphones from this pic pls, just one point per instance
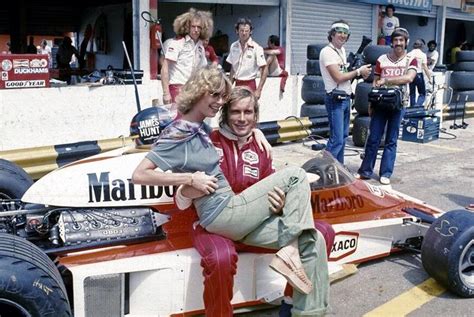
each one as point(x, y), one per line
point(401, 32)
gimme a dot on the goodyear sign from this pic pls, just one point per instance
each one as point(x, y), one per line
point(408, 4)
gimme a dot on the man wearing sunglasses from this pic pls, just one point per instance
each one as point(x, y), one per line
point(337, 82)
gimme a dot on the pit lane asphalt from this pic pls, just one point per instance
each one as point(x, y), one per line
point(442, 174)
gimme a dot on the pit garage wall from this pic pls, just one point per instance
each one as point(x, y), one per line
point(310, 20)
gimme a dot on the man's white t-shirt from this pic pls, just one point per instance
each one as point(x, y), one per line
point(186, 56)
point(432, 59)
point(247, 62)
point(420, 59)
point(332, 56)
point(389, 25)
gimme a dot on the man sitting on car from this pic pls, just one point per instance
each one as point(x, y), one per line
point(243, 164)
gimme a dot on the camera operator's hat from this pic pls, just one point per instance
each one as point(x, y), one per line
point(340, 27)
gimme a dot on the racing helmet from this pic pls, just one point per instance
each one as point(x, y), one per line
point(148, 123)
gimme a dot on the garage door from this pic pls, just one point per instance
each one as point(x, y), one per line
point(310, 21)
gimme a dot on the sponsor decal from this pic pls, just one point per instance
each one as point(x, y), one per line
point(7, 65)
point(35, 63)
point(4, 75)
point(345, 244)
point(377, 191)
point(251, 171)
point(102, 189)
point(25, 83)
point(250, 157)
point(392, 71)
point(17, 63)
point(336, 202)
point(411, 129)
point(30, 70)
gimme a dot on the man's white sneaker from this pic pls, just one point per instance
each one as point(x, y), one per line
point(384, 180)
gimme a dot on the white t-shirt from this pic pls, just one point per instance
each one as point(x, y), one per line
point(247, 62)
point(186, 56)
point(432, 59)
point(332, 56)
point(420, 59)
point(389, 25)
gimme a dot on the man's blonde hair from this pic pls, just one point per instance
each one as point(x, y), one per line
point(182, 23)
point(204, 80)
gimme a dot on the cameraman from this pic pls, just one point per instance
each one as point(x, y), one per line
point(337, 82)
point(396, 70)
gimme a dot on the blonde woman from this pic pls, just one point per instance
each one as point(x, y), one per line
point(184, 147)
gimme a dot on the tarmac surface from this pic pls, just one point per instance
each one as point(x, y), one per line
point(441, 173)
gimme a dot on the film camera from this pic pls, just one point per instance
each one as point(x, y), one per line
point(356, 60)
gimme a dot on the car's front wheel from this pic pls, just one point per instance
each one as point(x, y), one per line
point(30, 284)
point(447, 252)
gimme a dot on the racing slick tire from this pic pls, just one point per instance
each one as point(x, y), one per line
point(462, 80)
point(312, 67)
point(14, 181)
point(313, 51)
point(464, 66)
point(313, 90)
point(447, 252)
point(360, 130)
point(465, 56)
point(373, 52)
point(361, 101)
point(30, 284)
point(313, 111)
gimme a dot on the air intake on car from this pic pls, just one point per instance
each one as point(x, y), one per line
point(104, 295)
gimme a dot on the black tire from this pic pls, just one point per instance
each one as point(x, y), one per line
point(14, 181)
point(361, 101)
point(465, 56)
point(373, 52)
point(30, 280)
point(464, 96)
point(313, 111)
point(447, 251)
point(313, 50)
point(312, 90)
point(312, 67)
point(360, 130)
point(464, 66)
point(462, 80)
point(370, 79)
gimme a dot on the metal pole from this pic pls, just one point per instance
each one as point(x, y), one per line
point(133, 76)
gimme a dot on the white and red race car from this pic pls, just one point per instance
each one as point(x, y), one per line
point(85, 241)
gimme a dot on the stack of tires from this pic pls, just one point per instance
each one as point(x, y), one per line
point(360, 128)
point(313, 92)
point(462, 82)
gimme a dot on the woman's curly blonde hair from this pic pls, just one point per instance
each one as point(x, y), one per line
point(204, 80)
point(182, 23)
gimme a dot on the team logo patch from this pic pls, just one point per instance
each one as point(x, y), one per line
point(221, 154)
point(250, 157)
point(251, 171)
point(7, 65)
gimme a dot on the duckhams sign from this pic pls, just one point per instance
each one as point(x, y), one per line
point(408, 4)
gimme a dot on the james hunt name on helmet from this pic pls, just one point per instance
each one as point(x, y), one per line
point(149, 127)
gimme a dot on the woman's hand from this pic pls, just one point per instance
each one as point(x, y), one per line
point(204, 183)
point(276, 197)
point(262, 142)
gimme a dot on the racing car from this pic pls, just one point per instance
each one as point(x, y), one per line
point(85, 241)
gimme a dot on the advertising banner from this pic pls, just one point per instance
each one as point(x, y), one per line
point(408, 4)
point(24, 71)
